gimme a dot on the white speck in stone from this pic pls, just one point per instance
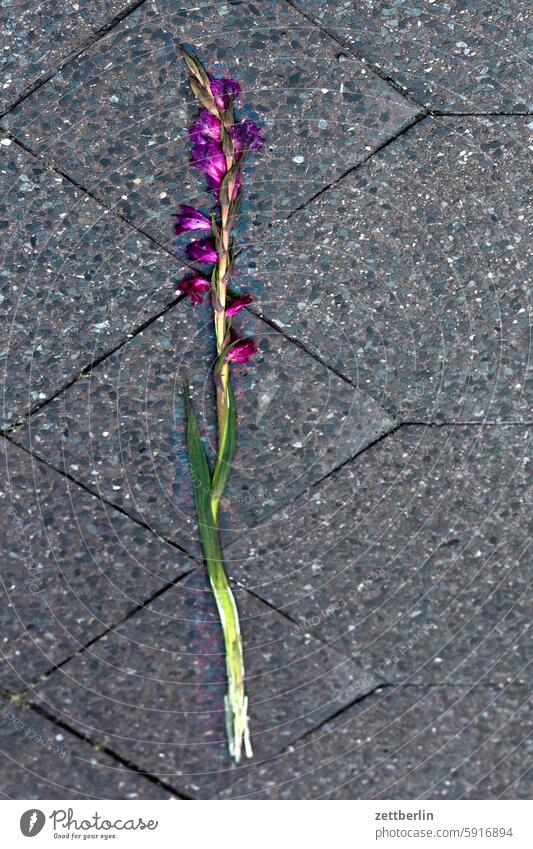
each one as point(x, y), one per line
point(105, 433)
point(223, 10)
point(298, 159)
point(438, 660)
point(6, 142)
point(297, 445)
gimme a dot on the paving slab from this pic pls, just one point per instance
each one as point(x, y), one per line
point(71, 567)
point(123, 428)
point(40, 760)
point(153, 689)
point(37, 37)
point(411, 276)
point(116, 118)
point(415, 558)
point(454, 56)
point(75, 280)
point(407, 743)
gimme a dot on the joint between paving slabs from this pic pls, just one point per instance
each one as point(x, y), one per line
point(387, 78)
point(22, 699)
point(73, 54)
point(98, 495)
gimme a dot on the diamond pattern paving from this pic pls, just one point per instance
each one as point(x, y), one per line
point(75, 280)
point(124, 429)
point(70, 568)
point(411, 275)
point(414, 558)
point(123, 133)
point(407, 743)
point(38, 36)
point(153, 690)
point(39, 760)
point(381, 566)
point(456, 56)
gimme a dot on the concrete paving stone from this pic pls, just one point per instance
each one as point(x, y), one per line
point(153, 689)
point(124, 429)
point(37, 36)
point(407, 743)
point(40, 760)
point(116, 118)
point(75, 280)
point(71, 567)
point(414, 558)
point(455, 56)
point(411, 276)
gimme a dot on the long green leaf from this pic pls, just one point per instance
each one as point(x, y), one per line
point(201, 481)
point(226, 449)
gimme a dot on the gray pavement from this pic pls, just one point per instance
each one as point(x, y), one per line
point(377, 525)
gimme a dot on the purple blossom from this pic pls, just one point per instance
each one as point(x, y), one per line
point(195, 287)
point(224, 90)
point(204, 251)
point(246, 136)
point(189, 218)
point(238, 304)
point(206, 126)
point(208, 157)
point(242, 350)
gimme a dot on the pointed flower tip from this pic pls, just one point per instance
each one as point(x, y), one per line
point(224, 90)
point(242, 350)
point(204, 251)
point(189, 218)
point(238, 304)
point(194, 287)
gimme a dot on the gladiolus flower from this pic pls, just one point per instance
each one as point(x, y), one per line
point(238, 304)
point(205, 126)
point(208, 157)
point(224, 90)
point(202, 251)
point(241, 351)
point(189, 218)
point(246, 136)
point(195, 287)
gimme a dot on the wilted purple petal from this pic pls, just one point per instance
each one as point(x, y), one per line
point(238, 304)
point(246, 136)
point(189, 218)
point(202, 251)
point(242, 350)
point(195, 287)
point(210, 159)
point(205, 126)
point(224, 90)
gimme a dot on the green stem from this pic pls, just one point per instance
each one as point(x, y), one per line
point(235, 701)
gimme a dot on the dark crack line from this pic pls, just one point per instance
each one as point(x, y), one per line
point(99, 747)
point(95, 494)
point(379, 72)
point(35, 683)
point(50, 165)
point(361, 164)
point(73, 54)
point(437, 113)
point(87, 369)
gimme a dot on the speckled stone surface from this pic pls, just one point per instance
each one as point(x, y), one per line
point(455, 56)
point(124, 428)
point(37, 36)
point(70, 568)
point(40, 760)
point(414, 558)
point(116, 118)
point(408, 743)
point(74, 280)
point(153, 690)
point(412, 275)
